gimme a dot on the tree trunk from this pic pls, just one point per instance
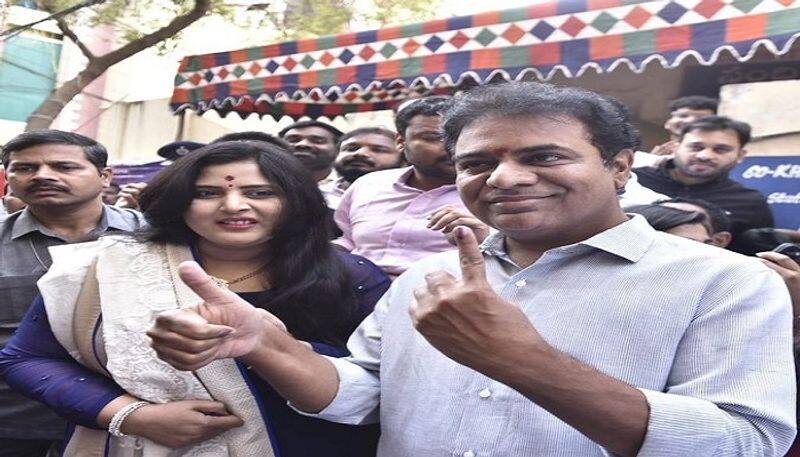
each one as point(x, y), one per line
point(45, 114)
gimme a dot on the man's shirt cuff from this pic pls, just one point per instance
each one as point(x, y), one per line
point(356, 401)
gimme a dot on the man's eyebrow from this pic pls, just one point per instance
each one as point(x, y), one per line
point(713, 145)
point(551, 147)
point(62, 162)
point(48, 162)
point(316, 137)
point(366, 143)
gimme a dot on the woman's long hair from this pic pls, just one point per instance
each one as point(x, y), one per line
point(311, 291)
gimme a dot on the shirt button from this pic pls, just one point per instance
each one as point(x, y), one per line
point(469, 454)
point(521, 283)
point(485, 393)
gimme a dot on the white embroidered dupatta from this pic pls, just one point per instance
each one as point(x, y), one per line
point(138, 281)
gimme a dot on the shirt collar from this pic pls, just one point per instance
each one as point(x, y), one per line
point(402, 181)
point(402, 178)
point(629, 240)
point(27, 223)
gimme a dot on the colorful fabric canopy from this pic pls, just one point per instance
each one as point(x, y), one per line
point(375, 70)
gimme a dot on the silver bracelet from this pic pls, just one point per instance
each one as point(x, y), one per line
point(116, 421)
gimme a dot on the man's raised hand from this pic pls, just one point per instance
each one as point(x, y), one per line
point(465, 318)
point(222, 326)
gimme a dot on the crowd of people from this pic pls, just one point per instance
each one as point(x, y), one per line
point(506, 273)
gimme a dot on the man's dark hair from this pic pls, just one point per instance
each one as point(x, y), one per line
point(311, 290)
point(605, 119)
point(95, 152)
point(365, 131)
point(696, 102)
point(303, 124)
point(434, 105)
point(718, 219)
point(254, 135)
point(717, 123)
point(663, 218)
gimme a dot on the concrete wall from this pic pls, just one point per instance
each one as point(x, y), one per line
point(773, 111)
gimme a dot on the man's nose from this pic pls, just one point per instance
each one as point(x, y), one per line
point(304, 144)
point(509, 175)
point(45, 173)
point(363, 151)
point(704, 154)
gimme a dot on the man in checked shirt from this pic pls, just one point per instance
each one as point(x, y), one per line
point(575, 330)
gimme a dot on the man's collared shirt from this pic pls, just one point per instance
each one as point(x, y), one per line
point(637, 194)
point(385, 220)
point(332, 176)
point(333, 191)
point(748, 208)
point(703, 333)
point(24, 258)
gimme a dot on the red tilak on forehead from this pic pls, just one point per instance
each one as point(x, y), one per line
point(229, 178)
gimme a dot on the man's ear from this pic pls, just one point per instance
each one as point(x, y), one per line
point(107, 174)
point(742, 154)
point(400, 141)
point(621, 166)
point(722, 239)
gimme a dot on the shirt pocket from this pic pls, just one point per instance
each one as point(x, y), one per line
point(16, 295)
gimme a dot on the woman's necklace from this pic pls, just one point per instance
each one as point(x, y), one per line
point(223, 283)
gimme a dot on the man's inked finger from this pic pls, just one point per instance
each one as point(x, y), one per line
point(203, 285)
point(473, 267)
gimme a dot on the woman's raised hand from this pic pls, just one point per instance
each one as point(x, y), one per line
point(180, 423)
point(222, 326)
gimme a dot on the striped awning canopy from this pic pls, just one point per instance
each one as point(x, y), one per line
point(377, 69)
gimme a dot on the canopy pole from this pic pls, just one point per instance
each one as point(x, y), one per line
point(181, 121)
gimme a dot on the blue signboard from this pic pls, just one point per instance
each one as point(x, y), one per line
point(125, 174)
point(778, 178)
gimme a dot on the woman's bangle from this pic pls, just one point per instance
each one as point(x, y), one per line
point(116, 422)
